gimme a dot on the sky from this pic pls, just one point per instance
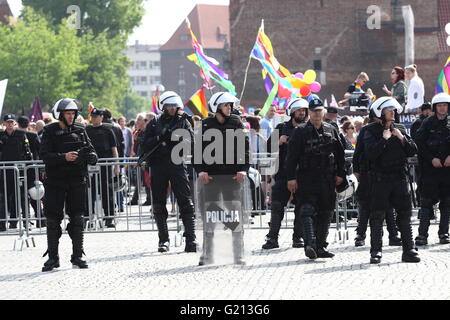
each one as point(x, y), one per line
point(161, 19)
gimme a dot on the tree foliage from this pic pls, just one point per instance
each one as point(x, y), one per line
point(114, 17)
point(39, 62)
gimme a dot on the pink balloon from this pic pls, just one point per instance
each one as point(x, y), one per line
point(315, 87)
point(299, 75)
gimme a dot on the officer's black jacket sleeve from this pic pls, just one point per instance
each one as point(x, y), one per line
point(414, 128)
point(339, 156)
point(279, 127)
point(422, 138)
point(359, 150)
point(34, 142)
point(150, 136)
point(409, 146)
point(48, 152)
point(295, 148)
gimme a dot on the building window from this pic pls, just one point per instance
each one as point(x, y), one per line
point(143, 93)
point(143, 65)
point(156, 64)
point(132, 81)
point(143, 80)
point(184, 37)
point(318, 65)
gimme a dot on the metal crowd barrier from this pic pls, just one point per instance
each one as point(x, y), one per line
point(15, 181)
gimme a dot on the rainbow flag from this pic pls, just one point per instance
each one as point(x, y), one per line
point(443, 84)
point(197, 104)
point(209, 70)
point(155, 102)
point(272, 70)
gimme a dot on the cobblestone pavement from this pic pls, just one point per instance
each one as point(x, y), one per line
point(127, 266)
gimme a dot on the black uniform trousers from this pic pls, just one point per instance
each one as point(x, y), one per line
point(316, 200)
point(435, 187)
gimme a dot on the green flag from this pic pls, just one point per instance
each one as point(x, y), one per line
point(270, 99)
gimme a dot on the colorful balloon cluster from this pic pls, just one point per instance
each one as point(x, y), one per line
point(299, 85)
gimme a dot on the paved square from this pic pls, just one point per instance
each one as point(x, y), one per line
point(127, 266)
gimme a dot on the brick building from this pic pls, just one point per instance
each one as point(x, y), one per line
point(332, 37)
point(210, 23)
point(5, 11)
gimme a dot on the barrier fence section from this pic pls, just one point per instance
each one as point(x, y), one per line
point(116, 204)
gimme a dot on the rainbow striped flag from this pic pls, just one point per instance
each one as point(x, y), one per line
point(272, 70)
point(155, 101)
point(197, 104)
point(209, 70)
point(443, 84)
point(91, 108)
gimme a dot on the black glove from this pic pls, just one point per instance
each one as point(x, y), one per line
point(92, 158)
point(166, 135)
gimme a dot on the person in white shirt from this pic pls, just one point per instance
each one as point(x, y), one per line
point(416, 89)
point(267, 123)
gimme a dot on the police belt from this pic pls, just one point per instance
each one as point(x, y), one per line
point(387, 175)
point(319, 162)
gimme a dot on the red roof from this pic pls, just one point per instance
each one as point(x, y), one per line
point(209, 23)
point(5, 11)
point(444, 19)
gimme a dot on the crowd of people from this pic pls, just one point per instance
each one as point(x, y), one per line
point(311, 155)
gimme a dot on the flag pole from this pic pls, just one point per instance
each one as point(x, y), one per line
point(249, 61)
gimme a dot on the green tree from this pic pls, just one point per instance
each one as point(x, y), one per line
point(115, 17)
point(132, 104)
point(39, 61)
point(105, 81)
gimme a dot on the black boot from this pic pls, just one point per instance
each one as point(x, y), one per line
point(310, 238)
point(323, 226)
point(238, 247)
point(276, 216)
point(75, 231)
point(271, 243)
point(360, 240)
point(443, 224)
point(160, 213)
point(391, 226)
point(189, 232)
point(207, 254)
point(376, 239)
point(297, 242)
point(375, 257)
point(53, 234)
point(297, 237)
point(424, 225)
point(409, 252)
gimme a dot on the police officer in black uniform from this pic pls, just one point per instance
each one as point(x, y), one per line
point(315, 166)
point(34, 143)
point(433, 140)
point(66, 151)
point(14, 146)
point(297, 109)
point(387, 147)
point(224, 178)
point(157, 148)
point(426, 111)
point(361, 169)
point(105, 145)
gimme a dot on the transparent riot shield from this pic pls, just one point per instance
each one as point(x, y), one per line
point(223, 214)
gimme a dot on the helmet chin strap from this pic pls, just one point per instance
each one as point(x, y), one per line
point(61, 115)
